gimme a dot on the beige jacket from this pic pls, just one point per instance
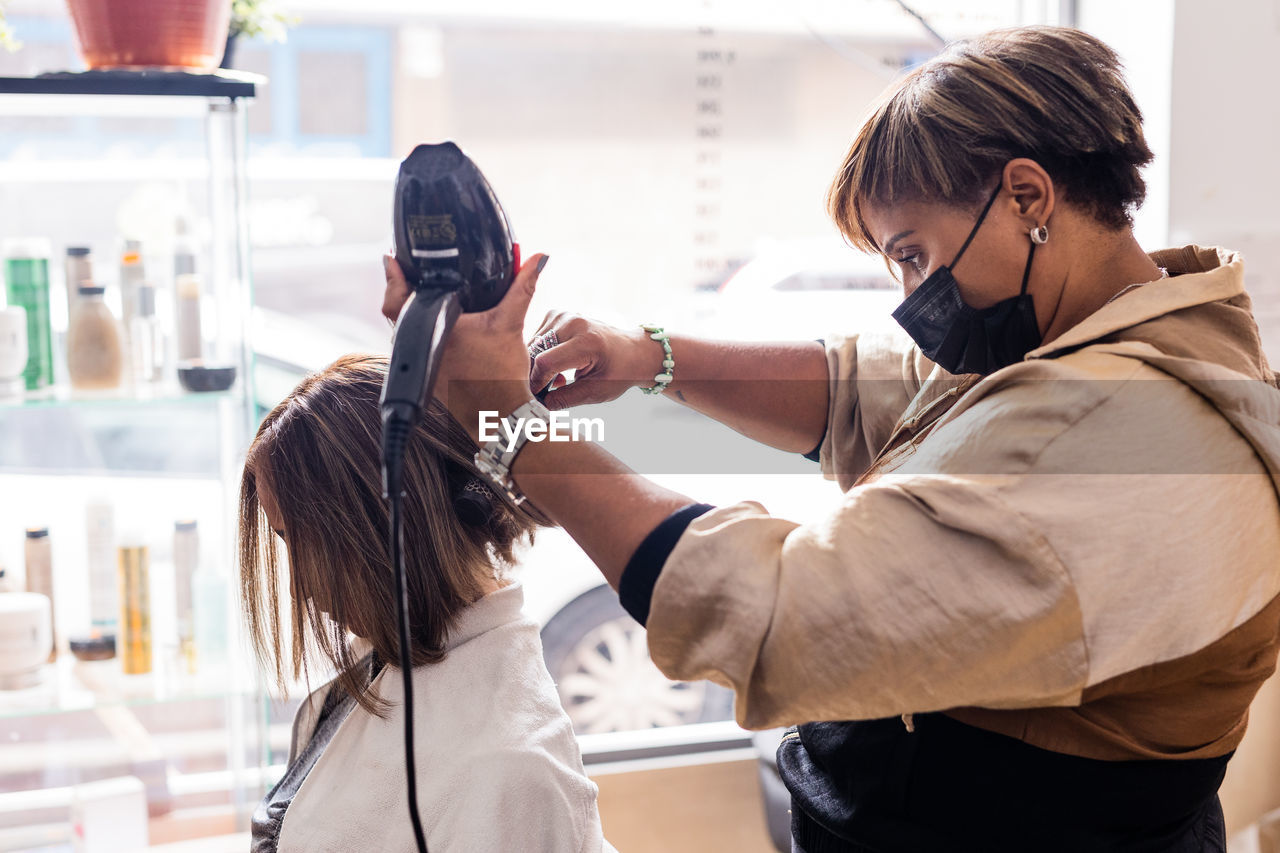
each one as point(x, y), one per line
point(1081, 550)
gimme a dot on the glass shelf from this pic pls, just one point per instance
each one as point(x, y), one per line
point(154, 454)
point(163, 397)
point(174, 434)
point(69, 685)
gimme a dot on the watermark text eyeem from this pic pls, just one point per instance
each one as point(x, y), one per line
point(560, 427)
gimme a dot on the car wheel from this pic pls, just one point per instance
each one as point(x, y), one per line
point(598, 657)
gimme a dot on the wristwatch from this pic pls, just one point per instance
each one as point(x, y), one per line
point(494, 458)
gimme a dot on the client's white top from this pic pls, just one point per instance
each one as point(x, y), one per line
point(498, 767)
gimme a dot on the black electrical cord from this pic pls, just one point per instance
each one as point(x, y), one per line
point(416, 349)
point(395, 435)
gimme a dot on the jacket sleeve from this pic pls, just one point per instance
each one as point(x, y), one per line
point(873, 380)
point(917, 594)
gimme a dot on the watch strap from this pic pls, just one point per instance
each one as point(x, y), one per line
point(495, 458)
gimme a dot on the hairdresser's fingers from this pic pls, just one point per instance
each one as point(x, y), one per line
point(541, 393)
point(564, 324)
point(549, 321)
point(397, 292)
point(563, 332)
point(509, 314)
point(596, 378)
point(581, 353)
point(583, 392)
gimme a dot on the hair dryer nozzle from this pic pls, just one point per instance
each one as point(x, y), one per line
point(451, 233)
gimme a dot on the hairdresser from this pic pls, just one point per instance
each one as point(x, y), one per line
point(1037, 616)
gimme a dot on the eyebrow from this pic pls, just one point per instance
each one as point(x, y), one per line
point(888, 247)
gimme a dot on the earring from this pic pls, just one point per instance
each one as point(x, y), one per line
point(1039, 235)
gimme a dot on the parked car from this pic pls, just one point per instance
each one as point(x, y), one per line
point(597, 654)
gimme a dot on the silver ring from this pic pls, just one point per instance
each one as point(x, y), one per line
point(543, 343)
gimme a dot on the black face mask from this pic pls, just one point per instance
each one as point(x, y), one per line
point(962, 339)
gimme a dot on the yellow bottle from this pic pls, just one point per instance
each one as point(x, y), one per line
point(135, 609)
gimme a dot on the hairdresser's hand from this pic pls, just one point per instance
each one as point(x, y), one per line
point(606, 360)
point(397, 292)
point(486, 363)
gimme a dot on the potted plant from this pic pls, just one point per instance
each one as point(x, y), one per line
point(151, 33)
point(254, 19)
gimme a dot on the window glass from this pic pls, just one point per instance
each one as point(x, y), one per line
point(672, 158)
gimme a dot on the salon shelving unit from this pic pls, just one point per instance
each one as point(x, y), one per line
point(96, 143)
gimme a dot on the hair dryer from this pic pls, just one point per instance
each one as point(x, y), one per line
point(454, 245)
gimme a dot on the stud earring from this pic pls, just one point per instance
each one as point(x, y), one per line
point(1039, 235)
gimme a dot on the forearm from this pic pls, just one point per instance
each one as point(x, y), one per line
point(775, 393)
point(607, 508)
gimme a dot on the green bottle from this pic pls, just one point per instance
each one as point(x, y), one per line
point(26, 275)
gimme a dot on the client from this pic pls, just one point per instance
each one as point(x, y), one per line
point(498, 767)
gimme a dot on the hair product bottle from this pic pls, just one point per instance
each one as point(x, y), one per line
point(211, 592)
point(135, 609)
point(146, 343)
point(95, 351)
point(104, 590)
point(78, 269)
point(26, 275)
point(186, 562)
point(190, 342)
point(132, 276)
point(185, 247)
point(39, 559)
point(13, 351)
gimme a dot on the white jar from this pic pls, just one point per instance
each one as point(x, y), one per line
point(26, 638)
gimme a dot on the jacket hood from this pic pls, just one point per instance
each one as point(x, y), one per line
point(1197, 326)
point(1201, 311)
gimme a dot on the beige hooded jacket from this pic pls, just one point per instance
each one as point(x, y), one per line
point(1081, 550)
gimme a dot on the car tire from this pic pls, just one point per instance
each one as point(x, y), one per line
point(598, 657)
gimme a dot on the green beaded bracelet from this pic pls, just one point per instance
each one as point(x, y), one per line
point(668, 361)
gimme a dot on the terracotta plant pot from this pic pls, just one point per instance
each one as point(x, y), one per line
point(151, 33)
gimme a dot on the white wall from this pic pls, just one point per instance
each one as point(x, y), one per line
point(1225, 175)
point(1141, 31)
point(1202, 76)
point(1202, 73)
point(1224, 184)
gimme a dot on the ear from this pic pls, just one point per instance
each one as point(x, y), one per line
point(1032, 191)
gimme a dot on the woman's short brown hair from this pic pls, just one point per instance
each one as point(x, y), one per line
point(319, 453)
point(943, 134)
